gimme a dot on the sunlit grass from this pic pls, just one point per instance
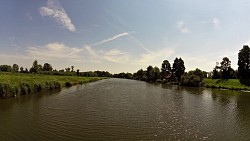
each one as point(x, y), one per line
point(232, 84)
point(15, 84)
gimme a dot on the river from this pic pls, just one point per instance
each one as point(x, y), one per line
point(118, 109)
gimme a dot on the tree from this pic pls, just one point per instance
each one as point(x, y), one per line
point(47, 67)
point(34, 67)
point(156, 74)
point(192, 78)
point(178, 68)
point(244, 65)
point(15, 68)
point(67, 69)
point(225, 68)
point(72, 68)
point(21, 69)
point(244, 62)
point(165, 68)
point(78, 72)
point(5, 68)
point(216, 74)
point(149, 73)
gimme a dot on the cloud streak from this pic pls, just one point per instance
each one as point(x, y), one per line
point(55, 10)
point(110, 39)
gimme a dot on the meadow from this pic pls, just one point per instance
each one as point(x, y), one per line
point(16, 84)
point(232, 84)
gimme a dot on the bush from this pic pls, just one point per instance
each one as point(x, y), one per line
point(192, 79)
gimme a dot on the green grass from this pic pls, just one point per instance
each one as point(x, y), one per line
point(232, 84)
point(16, 84)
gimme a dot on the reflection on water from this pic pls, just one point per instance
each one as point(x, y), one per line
point(125, 109)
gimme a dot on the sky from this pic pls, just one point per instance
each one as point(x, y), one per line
point(122, 35)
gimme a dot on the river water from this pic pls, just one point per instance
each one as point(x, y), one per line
point(118, 109)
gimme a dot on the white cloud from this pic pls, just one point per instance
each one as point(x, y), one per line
point(110, 39)
point(55, 10)
point(55, 51)
point(216, 23)
point(114, 55)
point(182, 27)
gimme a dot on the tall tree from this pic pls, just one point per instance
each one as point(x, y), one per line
point(15, 68)
point(34, 67)
point(178, 68)
point(150, 73)
point(21, 69)
point(47, 67)
point(165, 68)
point(156, 74)
point(244, 62)
point(72, 68)
point(225, 68)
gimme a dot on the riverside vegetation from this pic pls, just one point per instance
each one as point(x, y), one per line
point(16, 84)
point(15, 81)
point(223, 75)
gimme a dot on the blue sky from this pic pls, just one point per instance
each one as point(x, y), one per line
point(122, 36)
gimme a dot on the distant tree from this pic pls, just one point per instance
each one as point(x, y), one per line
point(156, 74)
point(72, 68)
point(47, 67)
point(150, 73)
point(244, 65)
point(165, 68)
point(34, 67)
point(192, 78)
point(21, 70)
point(78, 72)
point(216, 73)
point(244, 62)
point(26, 70)
point(15, 68)
point(5, 68)
point(67, 69)
point(225, 68)
point(178, 68)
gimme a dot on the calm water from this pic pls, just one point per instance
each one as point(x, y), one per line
point(116, 109)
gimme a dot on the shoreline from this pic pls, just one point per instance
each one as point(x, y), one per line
point(15, 85)
point(230, 84)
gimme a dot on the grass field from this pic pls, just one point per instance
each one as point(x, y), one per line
point(16, 84)
point(232, 84)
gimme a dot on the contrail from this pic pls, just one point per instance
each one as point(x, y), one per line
point(110, 39)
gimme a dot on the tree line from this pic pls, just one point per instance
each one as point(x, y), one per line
point(48, 69)
point(176, 74)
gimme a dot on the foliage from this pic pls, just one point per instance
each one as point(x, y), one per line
point(178, 68)
point(15, 68)
point(244, 65)
point(15, 84)
point(47, 67)
point(226, 71)
point(165, 68)
point(5, 68)
point(193, 78)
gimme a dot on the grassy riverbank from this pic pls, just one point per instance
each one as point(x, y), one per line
point(232, 84)
point(16, 84)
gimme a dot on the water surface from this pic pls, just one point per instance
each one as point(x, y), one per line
point(116, 109)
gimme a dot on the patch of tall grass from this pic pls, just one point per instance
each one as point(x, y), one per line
point(16, 84)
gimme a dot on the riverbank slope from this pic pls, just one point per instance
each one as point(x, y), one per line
point(232, 84)
point(16, 84)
